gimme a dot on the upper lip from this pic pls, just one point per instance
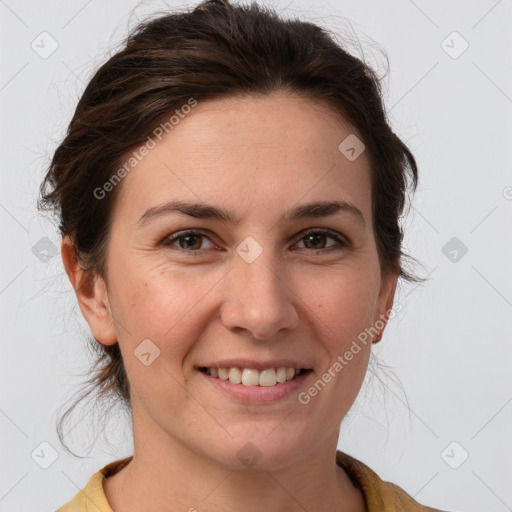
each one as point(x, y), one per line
point(257, 365)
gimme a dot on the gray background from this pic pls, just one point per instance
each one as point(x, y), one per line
point(450, 346)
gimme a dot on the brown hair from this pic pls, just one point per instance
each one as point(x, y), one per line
point(215, 50)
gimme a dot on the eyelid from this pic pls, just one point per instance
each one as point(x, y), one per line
point(170, 239)
point(326, 231)
point(342, 240)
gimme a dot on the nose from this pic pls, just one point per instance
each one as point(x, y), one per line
point(258, 301)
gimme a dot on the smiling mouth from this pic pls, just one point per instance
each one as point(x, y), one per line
point(252, 377)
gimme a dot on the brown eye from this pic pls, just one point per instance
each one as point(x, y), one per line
point(187, 240)
point(316, 240)
point(190, 242)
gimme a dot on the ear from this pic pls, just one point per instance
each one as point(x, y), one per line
point(91, 293)
point(385, 301)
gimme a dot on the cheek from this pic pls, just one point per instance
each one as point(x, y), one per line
point(172, 305)
point(159, 303)
point(163, 306)
point(343, 303)
point(343, 313)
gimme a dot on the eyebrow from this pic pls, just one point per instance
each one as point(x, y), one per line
point(205, 211)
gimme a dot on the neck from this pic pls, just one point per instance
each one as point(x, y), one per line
point(165, 475)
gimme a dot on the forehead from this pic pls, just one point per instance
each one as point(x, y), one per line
point(251, 154)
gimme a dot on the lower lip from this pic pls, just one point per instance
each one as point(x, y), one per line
point(255, 394)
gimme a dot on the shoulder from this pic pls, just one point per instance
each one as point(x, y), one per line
point(92, 496)
point(380, 496)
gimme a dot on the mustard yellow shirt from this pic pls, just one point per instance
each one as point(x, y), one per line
point(380, 496)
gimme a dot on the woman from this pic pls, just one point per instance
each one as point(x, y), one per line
point(229, 194)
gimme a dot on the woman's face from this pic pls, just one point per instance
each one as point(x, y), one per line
point(264, 287)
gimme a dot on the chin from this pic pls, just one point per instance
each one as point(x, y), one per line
point(261, 453)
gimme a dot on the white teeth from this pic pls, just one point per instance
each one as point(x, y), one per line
point(235, 375)
point(253, 377)
point(250, 377)
point(268, 377)
point(281, 374)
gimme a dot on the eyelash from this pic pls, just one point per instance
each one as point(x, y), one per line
point(168, 241)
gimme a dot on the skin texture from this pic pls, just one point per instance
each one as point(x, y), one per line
point(257, 157)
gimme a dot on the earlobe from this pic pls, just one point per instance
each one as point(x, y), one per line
point(91, 294)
